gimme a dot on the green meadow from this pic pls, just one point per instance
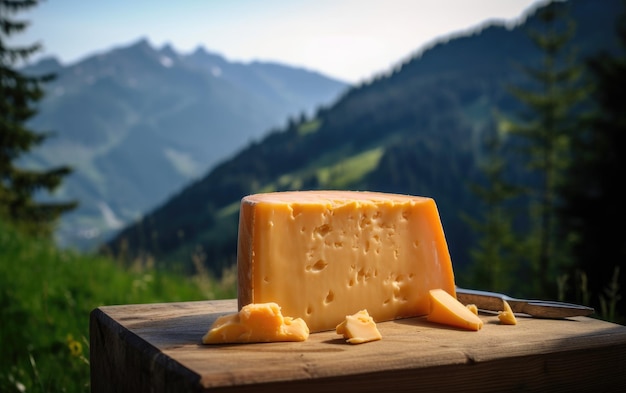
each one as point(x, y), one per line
point(46, 295)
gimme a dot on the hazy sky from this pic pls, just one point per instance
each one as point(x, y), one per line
point(348, 39)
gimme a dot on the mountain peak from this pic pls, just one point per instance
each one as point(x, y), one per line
point(45, 65)
point(50, 61)
point(199, 51)
point(141, 46)
point(203, 58)
point(168, 50)
point(140, 49)
point(141, 43)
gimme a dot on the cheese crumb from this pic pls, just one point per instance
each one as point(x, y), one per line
point(262, 322)
point(359, 328)
point(472, 308)
point(507, 317)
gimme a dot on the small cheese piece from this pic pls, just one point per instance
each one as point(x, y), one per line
point(472, 308)
point(323, 254)
point(447, 310)
point(359, 328)
point(256, 323)
point(507, 317)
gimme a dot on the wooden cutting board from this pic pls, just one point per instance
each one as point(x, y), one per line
point(157, 348)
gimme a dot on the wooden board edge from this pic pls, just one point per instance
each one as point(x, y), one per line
point(115, 353)
point(578, 370)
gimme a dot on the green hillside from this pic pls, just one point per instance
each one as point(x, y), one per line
point(417, 130)
point(46, 296)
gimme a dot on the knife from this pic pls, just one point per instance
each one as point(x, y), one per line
point(491, 301)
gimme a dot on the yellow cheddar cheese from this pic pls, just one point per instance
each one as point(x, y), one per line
point(323, 254)
point(447, 310)
point(472, 308)
point(256, 323)
point(507, 317)
point(359, 328)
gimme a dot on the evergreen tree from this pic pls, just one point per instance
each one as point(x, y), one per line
point(544, 131)
point(495, 254)
point(594, 208)
point(18, 95)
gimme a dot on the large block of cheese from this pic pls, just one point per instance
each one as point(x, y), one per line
point(322, 255)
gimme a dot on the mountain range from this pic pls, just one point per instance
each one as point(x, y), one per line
point(418, 129)
point(138, 123)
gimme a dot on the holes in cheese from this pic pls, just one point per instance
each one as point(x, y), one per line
point(359, 328)
point(446, 310)
point(507, 317)
point(323, 254)
point(256, 323)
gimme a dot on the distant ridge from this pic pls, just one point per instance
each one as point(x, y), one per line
point(138, 123)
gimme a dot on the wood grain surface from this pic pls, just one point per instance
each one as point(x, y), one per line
point(157, 348)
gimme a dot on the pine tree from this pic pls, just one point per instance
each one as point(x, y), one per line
point(594, 210)
point(18, 95)
point(544, 131)
point(495, 253)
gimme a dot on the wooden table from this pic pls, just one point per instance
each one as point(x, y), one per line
point(157, 348)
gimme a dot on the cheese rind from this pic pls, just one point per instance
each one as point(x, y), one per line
point(359, 328)
point(323, 254)
point(447, 310)
point(256, 323)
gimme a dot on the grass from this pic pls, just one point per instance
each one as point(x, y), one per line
point(334, 171)
point(309, 127)
point(46, 295)
point(351, 169)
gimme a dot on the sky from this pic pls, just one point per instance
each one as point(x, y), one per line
point(351, 40)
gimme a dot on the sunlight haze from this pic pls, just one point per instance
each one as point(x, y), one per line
point(350, 40)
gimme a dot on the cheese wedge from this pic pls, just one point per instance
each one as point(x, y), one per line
point(447, 310)
point(507, 317)
point(359, 328)
point(256, 323)
point(323, 254)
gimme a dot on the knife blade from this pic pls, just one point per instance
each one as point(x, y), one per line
point(492, 301)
